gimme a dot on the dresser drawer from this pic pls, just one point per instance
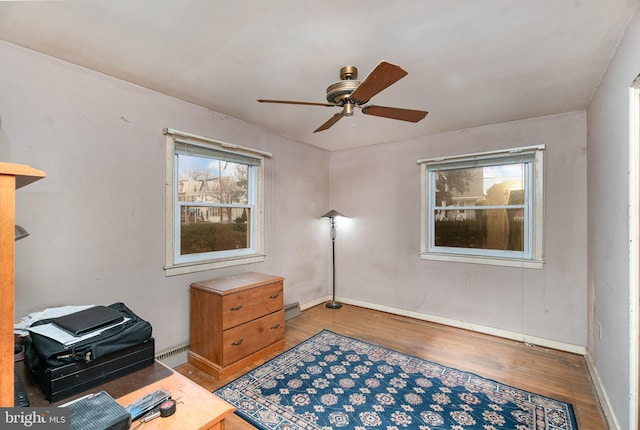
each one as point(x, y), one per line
point(235, 321)
point(245, 339)
point(247, 305)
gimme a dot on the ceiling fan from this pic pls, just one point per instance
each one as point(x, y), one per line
point(350, 93)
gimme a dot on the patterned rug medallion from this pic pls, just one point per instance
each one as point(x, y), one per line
point(333, 381)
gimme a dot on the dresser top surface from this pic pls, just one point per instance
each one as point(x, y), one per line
point(236, 283)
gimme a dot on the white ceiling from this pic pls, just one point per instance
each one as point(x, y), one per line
point(470, 62)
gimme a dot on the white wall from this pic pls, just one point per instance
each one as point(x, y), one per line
point(608, 185)
point(377, 252)
point(97, 219)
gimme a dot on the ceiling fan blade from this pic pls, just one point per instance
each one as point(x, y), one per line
point(380, 78)
point(292, 102)
point(395, 113)
point(337, 117)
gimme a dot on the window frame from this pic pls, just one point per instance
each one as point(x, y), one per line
point(532, 256)
point(175, 264)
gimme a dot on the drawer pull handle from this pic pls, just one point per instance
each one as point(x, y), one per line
point(237, 342)
point(273, 327)
point(274, 296)
point(237, 308)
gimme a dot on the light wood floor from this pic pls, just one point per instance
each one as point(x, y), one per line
point(560, 375)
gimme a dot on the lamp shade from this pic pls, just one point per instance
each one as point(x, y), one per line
point(20, 232)
point(332, 214)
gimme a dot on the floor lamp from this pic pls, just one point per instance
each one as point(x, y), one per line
point(332, 214)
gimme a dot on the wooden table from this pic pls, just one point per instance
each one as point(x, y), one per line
point(197, 408)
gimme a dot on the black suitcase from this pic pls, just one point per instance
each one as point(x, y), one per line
point(42, 352)
point(62, 371)
point(61, 382)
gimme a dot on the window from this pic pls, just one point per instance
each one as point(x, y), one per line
point(214, 203)
point(484, 208)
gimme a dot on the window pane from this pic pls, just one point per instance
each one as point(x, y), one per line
point(210, 229)
point(499, 229)
point(490, 205)
point(209, 180)
point(488, 185)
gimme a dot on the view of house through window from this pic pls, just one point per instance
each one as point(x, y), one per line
point(485, 206)
point(214, 203)
point(215, 214)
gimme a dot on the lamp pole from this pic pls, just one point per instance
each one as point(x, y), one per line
point(332, 214)
point(333, 304)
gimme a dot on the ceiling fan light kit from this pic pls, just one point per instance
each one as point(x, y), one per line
point(349, 93)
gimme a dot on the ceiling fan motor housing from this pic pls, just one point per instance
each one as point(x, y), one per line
point(340, 92)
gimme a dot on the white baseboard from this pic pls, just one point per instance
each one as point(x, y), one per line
point(534, 340)
point(601, 393)
point(315, 302)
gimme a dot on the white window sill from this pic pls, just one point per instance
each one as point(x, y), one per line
point(181, 269)
point(493, 261)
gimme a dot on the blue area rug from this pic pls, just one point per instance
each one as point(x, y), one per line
point(333, 381)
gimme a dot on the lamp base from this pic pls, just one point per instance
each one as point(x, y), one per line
point(334, 305)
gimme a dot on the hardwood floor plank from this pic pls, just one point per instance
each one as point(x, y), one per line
point(557, 374)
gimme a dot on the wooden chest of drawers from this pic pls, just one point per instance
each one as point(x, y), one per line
point(235, 321)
